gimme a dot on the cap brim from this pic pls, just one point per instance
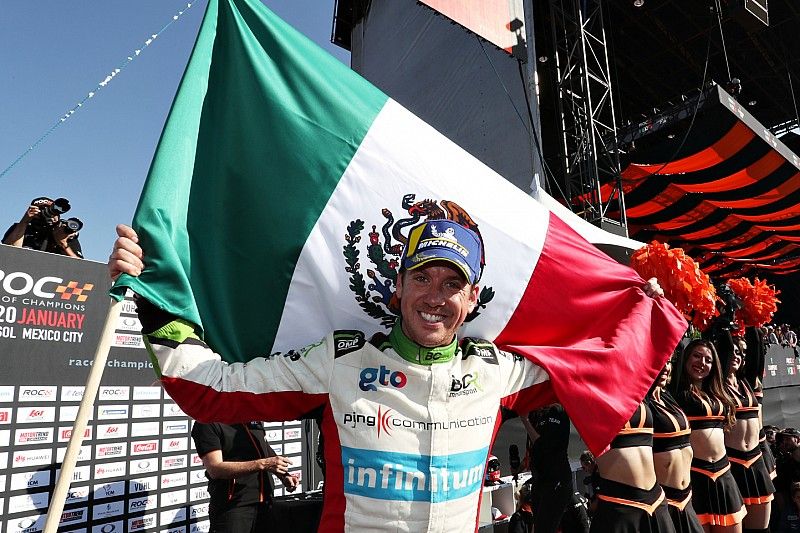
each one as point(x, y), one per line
point(448, 258)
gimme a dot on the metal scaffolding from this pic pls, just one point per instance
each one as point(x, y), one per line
point(586, 108)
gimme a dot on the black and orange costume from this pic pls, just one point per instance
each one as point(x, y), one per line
point(671, 432)
point(624, 508)
point(715, 495)
point(748, 467)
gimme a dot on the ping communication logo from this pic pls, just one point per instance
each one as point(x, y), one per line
point(73, 288)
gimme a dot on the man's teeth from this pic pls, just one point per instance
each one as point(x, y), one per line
point(431, 318)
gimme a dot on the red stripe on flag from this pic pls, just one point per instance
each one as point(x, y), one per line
point(586, 321)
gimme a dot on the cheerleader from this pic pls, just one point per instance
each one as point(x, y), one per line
point(672, 453)
point(700, 391)
point(742, 444)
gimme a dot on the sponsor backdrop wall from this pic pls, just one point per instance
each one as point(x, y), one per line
point(137, 469)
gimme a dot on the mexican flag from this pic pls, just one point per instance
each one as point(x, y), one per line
point(280, 197)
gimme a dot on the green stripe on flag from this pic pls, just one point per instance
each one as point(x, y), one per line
point(262, 128)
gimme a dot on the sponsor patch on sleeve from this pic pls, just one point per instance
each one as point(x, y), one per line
point(479, 348)
point(346, 341)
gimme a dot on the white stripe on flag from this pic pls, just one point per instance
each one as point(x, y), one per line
point(402, 155)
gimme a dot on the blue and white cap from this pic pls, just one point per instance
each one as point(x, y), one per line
point(444, 240)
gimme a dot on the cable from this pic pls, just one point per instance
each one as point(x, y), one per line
point(94, 91)
point(549, 176)
point(718, 9)
point(671, 159)
point(532, 130)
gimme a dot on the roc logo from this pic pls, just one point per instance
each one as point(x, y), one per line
point(376, 296)
point(73, 289)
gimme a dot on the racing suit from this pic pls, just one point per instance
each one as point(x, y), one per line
point(407, 428)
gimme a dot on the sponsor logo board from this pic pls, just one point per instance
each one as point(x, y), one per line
point(176, 444)
point(26, 524)
point(142, 522)
point(199, 510)
point(105, 451)
point(29, 436)
point(127, 340)
point(36, 414)
point(65, 433)
point(77, 494)
point(292, 447)
point(38, 393)
point(147, 393)
point(175, 497)
point(28, 502)
point(84, 453)
point(145, 503)
point(143, 484)
point(79, 473)
point(172, 409)
point(144, 447)
point(145, 429)
point(30, 480)
point(112, 431)
point(72, 394)
point(146, 410)
point(114, 489)
point(202, 526)
point(110, 527)
point(173, 516)
point(172, 462)
point(6, 393)
point(73, 516)
point(198, 493)
point(107, 470)
point(24, 458)
point(112, 412)
point(177, 479)
point(171, 427)
point(108, 509)
point(114, 393)
point(143, 466)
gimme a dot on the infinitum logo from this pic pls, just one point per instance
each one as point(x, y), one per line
point(407, 477)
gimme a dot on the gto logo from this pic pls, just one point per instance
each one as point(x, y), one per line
point(382, 375)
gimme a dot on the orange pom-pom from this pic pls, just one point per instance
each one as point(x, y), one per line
point(684, 284)
point(759, 301)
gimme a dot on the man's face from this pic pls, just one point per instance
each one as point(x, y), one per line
point(434, 301)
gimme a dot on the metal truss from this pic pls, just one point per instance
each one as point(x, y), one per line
point(586, 108)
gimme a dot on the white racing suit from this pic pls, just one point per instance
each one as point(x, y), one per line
point(406, 442)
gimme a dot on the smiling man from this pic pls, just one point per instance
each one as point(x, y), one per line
point(408, 417)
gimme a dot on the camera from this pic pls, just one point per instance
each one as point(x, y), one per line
point(49, 209)
point(72, 225)
point(41, 227)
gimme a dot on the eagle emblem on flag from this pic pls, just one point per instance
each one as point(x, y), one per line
point(375, 292)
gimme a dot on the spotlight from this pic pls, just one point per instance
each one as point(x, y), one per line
point(638, 3)
point(671, 136)
point(751, 103)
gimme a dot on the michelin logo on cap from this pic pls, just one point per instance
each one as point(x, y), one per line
point(444, 240)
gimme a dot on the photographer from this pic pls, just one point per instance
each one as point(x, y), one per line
point(41, 228)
